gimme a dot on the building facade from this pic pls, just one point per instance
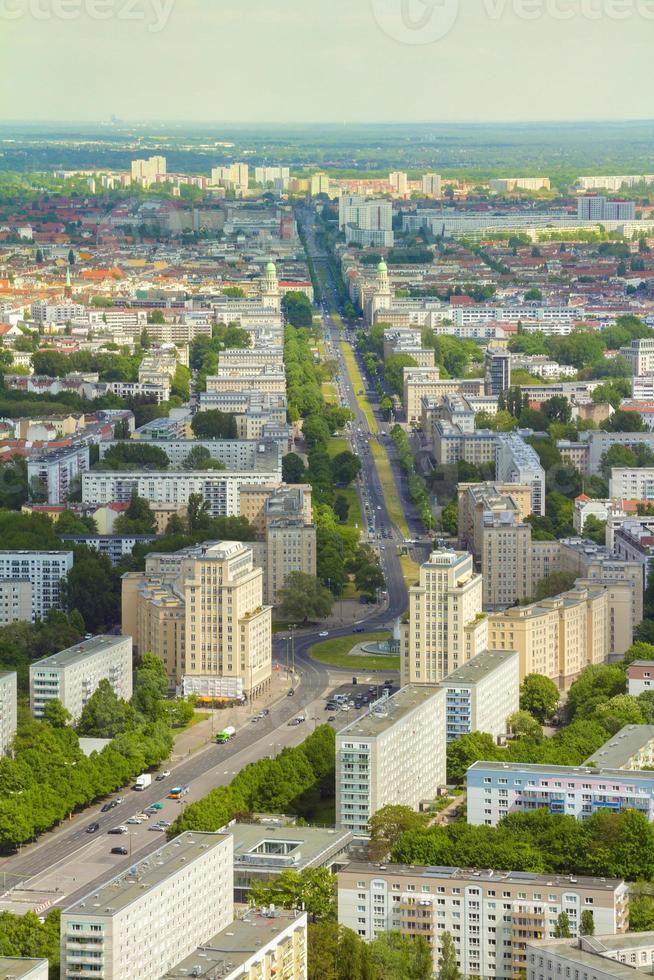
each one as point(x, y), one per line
point(72, 675)
point(8, 709)
point(482, 694)
point(394, 754)
point(44, 570)
point(490, 915)
point(153, 915)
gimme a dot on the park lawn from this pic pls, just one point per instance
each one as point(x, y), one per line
point(329, 392)
point(410, 570)
point(354, 516)
point(198, 716)
point(336, 653)
point(337, 445)
point(393, 502)
point(358, 385)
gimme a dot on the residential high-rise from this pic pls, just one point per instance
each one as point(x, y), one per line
point(366, 221)
point(15, 600)
point(149, 917)
point(72, 675)
point(44, 570)
point(498, 371)
point(489, 914)
point(399, 183)
point(394, 754)
point(148, 170)
point(446, 625)
point(201, 610)
point(518, 462)
point(482, 694)
point(319, 184)
point(8, 709)
point(592, 207)
point(432, 185)
point(55, 473)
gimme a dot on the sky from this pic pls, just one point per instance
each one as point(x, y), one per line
point(326, 60)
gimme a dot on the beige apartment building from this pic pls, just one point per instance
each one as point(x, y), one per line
point(446, 625)
point(476, 499)
point(422, 382)
point(556, 637)
point(253, 500)
point(490, 915)
point(269, 379)
point(201, 610)
point(153, 914)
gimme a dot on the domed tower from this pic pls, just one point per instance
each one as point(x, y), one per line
point(381, 297)
point(270, 287)
point(383, 285)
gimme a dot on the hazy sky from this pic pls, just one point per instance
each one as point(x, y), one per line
point(319, 60)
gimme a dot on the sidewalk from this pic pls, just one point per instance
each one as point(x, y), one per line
point(199, 735)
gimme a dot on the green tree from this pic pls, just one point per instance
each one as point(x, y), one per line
point(150, 686)
point(462, 752)
point(55, 714)
point(93, 588)
point(134, 455)
point(346, 466)
point(539, 696)
point(523, 723)
point(448, 967)
point(105, 715)
point(387, 825)
point(313, 889)
point(554, 584)
point(596, 684)
point(616, 456)
point(587, 923)
point(303, 598)
point(293, 468)
point(562, 927)
point(341, 508)
point(394, 371)
point(214, 424)
point(137, 519)
point(595, 530)
point(639, 651)
point(199, 458)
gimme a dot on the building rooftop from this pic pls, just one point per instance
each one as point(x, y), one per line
point(479, 667)
point(273, 846)
point(226, 952)
point(563, 771)
point(463, 874)
point(386, 712)
point(18, 966)
point(589, 952)
point(81, 651)
point(622, 747)
point(129, 886)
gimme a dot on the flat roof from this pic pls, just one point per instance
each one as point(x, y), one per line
point(622, 746)
point(18, 966)
point(569, 949)
point(465, 874)
point(229, 949)
point(582, 770)
point(314, 845)
point(479, 667)
point(129, 886)
point(87, 648)
point(385, 713)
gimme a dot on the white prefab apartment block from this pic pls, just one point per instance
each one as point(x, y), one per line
point(632, 483)
point(44, 570)
point(73, 675)
point(394, 754)
point(482, 694)
point(15, 600)
point(491, 915)
point(150, 917)
point(496, 789)
point(627, 957)
point(8, 706)
point(220, 488)
point(23, 968)
point(518, 462)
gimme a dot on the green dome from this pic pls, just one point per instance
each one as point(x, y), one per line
point(382, 267)
point(270, 267)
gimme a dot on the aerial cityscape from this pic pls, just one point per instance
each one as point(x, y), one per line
point(327, 490)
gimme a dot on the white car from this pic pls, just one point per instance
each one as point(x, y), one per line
point(324, 633)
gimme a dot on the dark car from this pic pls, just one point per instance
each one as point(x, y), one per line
point(332, 718)
point(290, 693)
point(92, 828)
point(119, 850)
point(106, 808)
point(358, 629)
point(118, 830)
